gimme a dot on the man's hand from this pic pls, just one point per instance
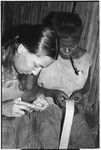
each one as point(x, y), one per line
point(59, 97)
point(77, 96)
point(30, 94)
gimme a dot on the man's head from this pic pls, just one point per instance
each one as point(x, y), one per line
point(68, 27)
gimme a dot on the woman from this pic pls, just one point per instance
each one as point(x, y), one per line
point(27, 50)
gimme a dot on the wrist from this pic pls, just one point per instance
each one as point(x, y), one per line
point(47, 92)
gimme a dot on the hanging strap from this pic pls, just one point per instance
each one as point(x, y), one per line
point(67, 125)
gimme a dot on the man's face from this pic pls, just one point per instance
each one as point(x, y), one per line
point(67, 47)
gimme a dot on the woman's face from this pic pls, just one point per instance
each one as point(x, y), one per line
point(30, 63)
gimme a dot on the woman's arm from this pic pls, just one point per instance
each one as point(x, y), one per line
point(15, 108)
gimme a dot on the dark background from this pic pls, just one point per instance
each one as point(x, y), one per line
point(32, 12)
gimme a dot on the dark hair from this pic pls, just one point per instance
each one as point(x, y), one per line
point(34, 37)
point(66, 24)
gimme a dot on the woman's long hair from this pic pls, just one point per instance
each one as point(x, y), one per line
point(35, 38)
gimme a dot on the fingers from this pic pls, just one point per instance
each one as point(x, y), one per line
point(62, 102)
point(23, 103)
point(19, 107)
point(59, 102)
point(23, 107)
point(65, 96)
point(41, 103)
point(60, 99)
point(18, 113)
point(77, 97)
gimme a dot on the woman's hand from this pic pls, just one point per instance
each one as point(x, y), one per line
point(15, 108)
point(59, 97)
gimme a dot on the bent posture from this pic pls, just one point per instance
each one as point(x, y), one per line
point(27, 51)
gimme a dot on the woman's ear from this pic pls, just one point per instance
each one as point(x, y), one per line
point(21, 49)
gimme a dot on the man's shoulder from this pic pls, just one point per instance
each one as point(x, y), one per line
point(86, 58)
point(79, 52)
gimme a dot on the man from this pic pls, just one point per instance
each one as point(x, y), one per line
point(71, 72)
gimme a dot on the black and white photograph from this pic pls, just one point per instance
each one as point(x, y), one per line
point(50, 75)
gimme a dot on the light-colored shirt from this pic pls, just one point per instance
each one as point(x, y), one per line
point(60, 75)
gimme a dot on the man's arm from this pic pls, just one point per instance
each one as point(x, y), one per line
point(78, 95)
point(28, 84)
point(86, 87)
point(31, 90)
